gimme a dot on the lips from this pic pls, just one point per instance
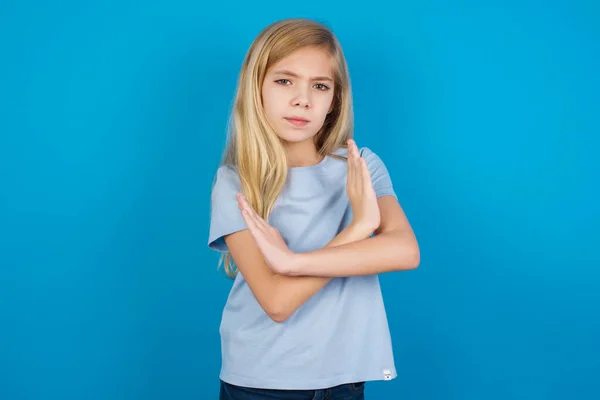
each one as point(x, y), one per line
point(297, 121)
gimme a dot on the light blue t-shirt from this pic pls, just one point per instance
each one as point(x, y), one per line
point(338, 336)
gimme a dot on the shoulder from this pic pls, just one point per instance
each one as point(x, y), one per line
point(226, 179)
point(366, 152)
point(227, 171)
point(373, 160)
point(380, 176)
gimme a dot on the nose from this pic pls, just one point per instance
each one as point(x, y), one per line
point(301, 98)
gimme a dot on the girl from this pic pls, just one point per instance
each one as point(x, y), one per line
point(305, 317)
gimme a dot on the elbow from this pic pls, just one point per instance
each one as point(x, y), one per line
point(277, 304)
point(277, 311)
point(411, 258)
point(415, 260)
point(406, 253)
point(278, 315)
point(278, 318)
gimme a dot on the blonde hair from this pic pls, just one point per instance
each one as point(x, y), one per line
point(253, 148)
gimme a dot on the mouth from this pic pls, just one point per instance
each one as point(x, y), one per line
point(297, 121)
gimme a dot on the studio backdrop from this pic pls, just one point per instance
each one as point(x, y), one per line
point(113, 119)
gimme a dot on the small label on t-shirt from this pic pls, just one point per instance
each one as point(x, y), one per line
point(387, 374)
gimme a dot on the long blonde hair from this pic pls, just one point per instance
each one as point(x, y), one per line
point(253, 148)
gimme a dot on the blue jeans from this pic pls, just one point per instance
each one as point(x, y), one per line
point(349, 391)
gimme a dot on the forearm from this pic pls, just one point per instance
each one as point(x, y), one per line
point(293, 291)
point(389, 251)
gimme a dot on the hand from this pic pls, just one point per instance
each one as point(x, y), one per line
point(277, 255)
point(361, 194)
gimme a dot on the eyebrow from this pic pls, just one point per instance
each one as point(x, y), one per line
point(292, 74)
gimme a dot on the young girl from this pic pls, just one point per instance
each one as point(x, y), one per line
point(309, 220)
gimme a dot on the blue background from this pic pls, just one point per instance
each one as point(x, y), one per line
point(112, 121)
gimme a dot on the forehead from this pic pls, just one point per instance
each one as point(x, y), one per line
point(308, 61)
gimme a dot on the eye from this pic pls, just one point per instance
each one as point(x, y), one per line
point(322, 87)
point(283, 81)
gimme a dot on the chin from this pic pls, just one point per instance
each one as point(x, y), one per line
point(296, 137)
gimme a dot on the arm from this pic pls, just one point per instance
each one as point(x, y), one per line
point(393, 248)
point(279, 295)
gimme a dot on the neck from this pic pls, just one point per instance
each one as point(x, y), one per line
point(302, 154)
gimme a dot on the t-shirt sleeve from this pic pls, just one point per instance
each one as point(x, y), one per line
point(382, 182)
point(225, 217)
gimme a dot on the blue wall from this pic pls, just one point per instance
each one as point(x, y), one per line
point(112, 119)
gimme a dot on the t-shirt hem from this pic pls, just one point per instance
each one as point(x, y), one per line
point(217, 242)
point(386, 192)
point(309, 384)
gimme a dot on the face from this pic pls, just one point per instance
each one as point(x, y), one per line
point(298, 93)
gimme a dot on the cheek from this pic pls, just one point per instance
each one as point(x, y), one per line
point(270, 102)
point(325, 105)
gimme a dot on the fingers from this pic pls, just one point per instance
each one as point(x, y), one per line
point(354, 167)
point(366, 175)
point(359, 177)
point(350, 173)
point(257, 221)
point(249, 221)
point(358, 168)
